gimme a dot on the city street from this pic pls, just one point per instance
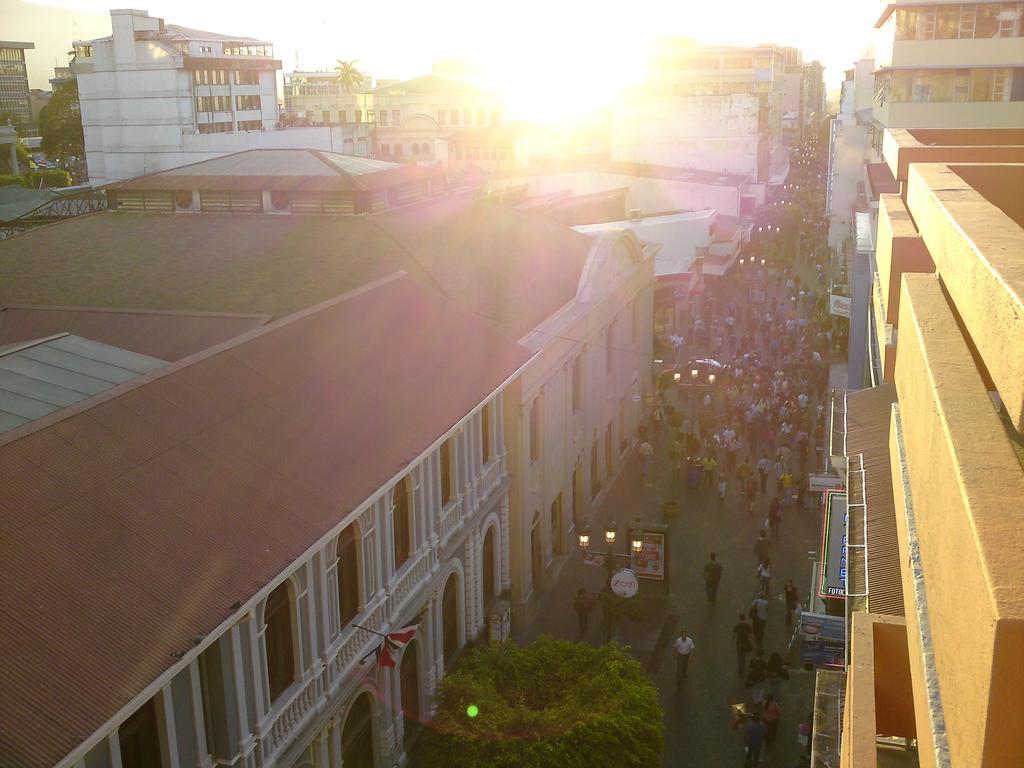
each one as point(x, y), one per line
point(697, 714)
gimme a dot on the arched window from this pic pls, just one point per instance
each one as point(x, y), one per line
point(357, 735)
point(410, 681)
point(277, 616)
point(450, 618)
point(488, 565)
point(348, 575)
point(401, 522)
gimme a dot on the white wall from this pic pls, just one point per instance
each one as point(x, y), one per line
point(710, 133)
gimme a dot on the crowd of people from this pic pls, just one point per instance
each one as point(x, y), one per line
point(747, 441)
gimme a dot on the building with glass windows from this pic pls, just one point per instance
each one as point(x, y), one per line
point(157, 96)
point(949, 65)
point(14, 95)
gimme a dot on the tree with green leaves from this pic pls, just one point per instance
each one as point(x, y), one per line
point(60, 125)
point(349, 77)
point(552, 702)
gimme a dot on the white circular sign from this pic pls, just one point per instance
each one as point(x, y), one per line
point(625, 583)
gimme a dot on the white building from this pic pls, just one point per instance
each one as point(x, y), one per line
point(580, 400)
point(157, 96)
point(236, 526)
point(715, 133)
point(317, 98)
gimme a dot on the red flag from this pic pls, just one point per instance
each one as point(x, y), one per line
point(403, 636)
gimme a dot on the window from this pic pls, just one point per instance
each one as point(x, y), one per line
point(447, 479)
point(577, 383)
point(409, 676)
point(947, 23)
point(370, 115)
point(401, 523)
point(385, 149)
point(206, 49)
point(397, 149)
point(535, 429)
point(986, 23)
point(359, 115)
point(215, 128)
point(485, 434)
point(247, 77)
point(455, 117)
point(210, 76)
point(250, 125)
point(481, 117)
point(348, 575)
point(214, 103)
point(326, 115)
point(383, 117)
point(396, 117)
point(253, 102)
point(140, 740)
point(342, 116)
point(415, 148)
point(83, 51)
point(442, 116)
point(467, 116)
point(595, 481)
point(488, 565)
point(556, 524)
point(277, 620)
point(357, 735)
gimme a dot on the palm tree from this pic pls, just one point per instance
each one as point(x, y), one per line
point(349, 77)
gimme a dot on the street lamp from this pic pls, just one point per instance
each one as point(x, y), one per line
point(677, 377)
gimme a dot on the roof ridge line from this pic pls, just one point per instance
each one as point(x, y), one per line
point(17, 433)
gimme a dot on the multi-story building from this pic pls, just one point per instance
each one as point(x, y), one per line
point(949, 65)
point(235, 525)
point(14, 92)
point(156, 96)
point(725, 105)
point(414, 117)
point(935, 467)
point(318, 98)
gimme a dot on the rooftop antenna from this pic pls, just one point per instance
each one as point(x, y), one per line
point(297, 67)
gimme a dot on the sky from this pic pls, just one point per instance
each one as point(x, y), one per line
point(551, 58)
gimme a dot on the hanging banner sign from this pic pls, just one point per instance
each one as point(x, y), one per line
point(839, 305)
point(833, 546)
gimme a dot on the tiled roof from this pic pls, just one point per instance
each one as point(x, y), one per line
point(133, 521)
point(514, 268)
point(164, 335)
point(283, 169)
point(867, 446)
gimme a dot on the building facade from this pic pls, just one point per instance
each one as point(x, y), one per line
point(14, 91)
point(930, 680)
point(950, 65)
point(157, 96)
point(317, 98)
point(414, 117)
point(579, 402)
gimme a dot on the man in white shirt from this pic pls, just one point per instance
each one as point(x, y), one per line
point(684, 648)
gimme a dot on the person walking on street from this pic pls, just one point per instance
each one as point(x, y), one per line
point(772, 712)
point(764, 575)
point(583, 604)
point(762, 547)
point(723, 483)
point(789, 590)
point(741, 632)
point(759, 615)
point(684, 649)
point(756, 676)
point(775, 517)
point(710, 465)
point(763, 468)
point(712, 577)
point(753, 735)
point(645, 451)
